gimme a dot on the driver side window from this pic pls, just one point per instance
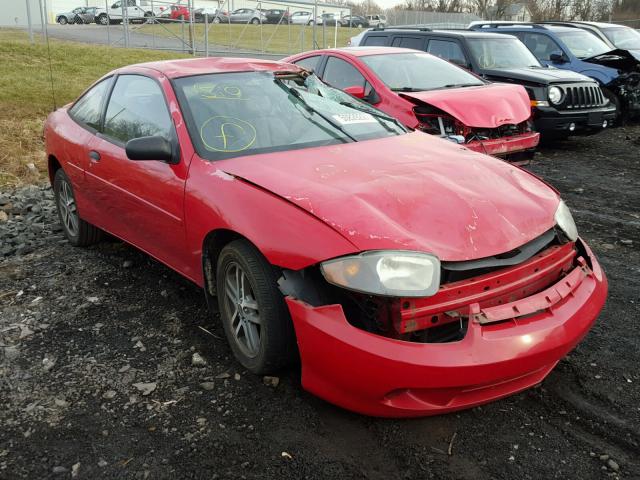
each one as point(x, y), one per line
point(340, 74)
point(540, 45)
point(137, 108)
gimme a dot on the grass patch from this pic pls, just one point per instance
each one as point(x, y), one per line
point(281, 39)
point(25, 93)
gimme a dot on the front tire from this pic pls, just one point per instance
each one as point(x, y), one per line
point(255, 21)
point(103, 19)
point(63, 20)
point(254, 315)
point(78, 232)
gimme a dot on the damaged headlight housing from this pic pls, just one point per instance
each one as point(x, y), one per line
point(386, 272)
point(555, 95)
point(564, 220)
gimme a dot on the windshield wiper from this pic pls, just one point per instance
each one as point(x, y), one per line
point(296, 93)
point(462, 85)
point(407, 89)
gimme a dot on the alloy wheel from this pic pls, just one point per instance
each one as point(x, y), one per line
point(242, 310)
point(68, 209)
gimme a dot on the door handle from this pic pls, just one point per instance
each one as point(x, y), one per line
point(94, 156)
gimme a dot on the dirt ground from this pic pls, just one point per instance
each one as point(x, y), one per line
point(98, 379)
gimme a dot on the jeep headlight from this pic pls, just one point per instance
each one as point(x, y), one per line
point(386, 272)
point(564, 220)
point(555, 95)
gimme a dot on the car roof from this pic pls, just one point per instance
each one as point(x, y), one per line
point(366, 51)
point(599, 24)
point(201, 66)
point(449, 33)
point(528, 27)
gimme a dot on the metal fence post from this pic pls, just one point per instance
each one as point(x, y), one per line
point(153, 23)
point(125, 22)
point(44, 30)
point(289, 31)
point(106, 9)
point(192, 33)
point(29, 21)
point(183, 42)
point(315, 14)
point(206, 34)
point(302, 30)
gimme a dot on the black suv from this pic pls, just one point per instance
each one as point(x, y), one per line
point(564, 103)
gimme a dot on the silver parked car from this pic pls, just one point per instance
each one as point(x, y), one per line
point(301, 18)
point(247, 15)
point(77, 15)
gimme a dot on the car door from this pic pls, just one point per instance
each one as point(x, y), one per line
point(139, 201)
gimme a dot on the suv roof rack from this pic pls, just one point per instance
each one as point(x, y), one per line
point(420, 28)
point(503, 23)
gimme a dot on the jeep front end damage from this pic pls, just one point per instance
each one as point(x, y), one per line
point(510, 140)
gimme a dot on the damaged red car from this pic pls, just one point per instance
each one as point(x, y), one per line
point(430, 94)
point(409, 276)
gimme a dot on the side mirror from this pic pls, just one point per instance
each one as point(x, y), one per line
point(356, 91)
point(150, 148)
point(558, 57)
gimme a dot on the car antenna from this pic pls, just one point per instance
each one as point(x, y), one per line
point(53, 91)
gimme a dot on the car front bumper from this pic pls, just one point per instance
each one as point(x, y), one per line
point(379, 376)
point(550, 120)
point(506, 145)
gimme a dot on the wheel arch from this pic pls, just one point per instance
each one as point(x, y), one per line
point(53, 165)
point(212, 245)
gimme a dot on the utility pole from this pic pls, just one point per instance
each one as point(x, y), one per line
point(29, 21)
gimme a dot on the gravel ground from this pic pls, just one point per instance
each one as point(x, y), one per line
point(110, 367)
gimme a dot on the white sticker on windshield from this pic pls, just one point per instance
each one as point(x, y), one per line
point(352, 118)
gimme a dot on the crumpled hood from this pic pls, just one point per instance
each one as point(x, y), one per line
point(486, 106)
point(412, 192)
point(619, 59)
point(544, 76)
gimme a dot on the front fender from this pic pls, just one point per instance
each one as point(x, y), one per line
point(285, 234)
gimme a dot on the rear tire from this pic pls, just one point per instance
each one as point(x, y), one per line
point(102, 19)
point(253, 312)
point(78, 232)
point(216, 20)
point(255, 21)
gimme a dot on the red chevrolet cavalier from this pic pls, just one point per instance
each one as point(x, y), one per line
point(430, 94)
point(410, 275)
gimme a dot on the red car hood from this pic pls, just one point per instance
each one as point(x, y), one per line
point(486, 106)
point(413, 192)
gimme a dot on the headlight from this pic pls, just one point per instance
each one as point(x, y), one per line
point(386, 272)
point(555, 95)
point(564, 220)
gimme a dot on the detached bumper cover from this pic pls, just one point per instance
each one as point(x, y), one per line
point(505, 145)
point(378, 376)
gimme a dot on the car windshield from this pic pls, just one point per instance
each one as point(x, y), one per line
point(583, 44)
point(246, 113)
point(498, 53)
point(418, 71)
point(623, 37)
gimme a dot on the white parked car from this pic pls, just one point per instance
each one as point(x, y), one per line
point(355, 41)
point(377, 20)
point(136, 10)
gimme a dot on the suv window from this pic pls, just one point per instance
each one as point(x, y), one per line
point(447, 50)
point(340, 74)
point(375, 40)
point(542, 46)
point(416, 43)
point(87, 109)
point(137, 108)
point(310, 63)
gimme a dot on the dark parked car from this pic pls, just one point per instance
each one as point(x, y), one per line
point(616, 70)
point(77, 15)
point(616, 36)
point(215, 15)
point(277, 15)
point(564, 103)
point(354, 21)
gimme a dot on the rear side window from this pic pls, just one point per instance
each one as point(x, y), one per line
point(375, 40)
point(87, 109)
point(447, 50)
point(137, 108)
point(416, 43)
point(310, 63)
point(340, 74)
